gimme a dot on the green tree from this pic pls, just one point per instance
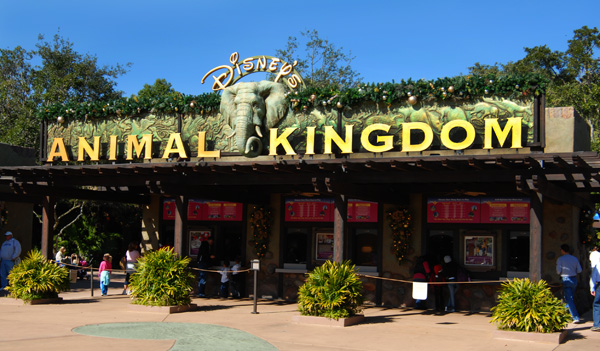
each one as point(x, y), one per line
point(17, 107)
point(574, 75)
point(160, 88)
point(321, 63)
point(64, 75)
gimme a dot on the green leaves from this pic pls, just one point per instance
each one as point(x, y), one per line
point(162, 279)
point(36, 277)
point(332, 290)
point(530, 307)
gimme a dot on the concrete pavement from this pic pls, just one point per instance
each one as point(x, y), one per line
point(55, 326)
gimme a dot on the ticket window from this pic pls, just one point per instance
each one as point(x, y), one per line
point(365, 247)
point(296, 246)
point(518, 254)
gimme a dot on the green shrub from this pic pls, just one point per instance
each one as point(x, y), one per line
point(37, 278)
point(332, 290)
point(526, 306)
point(162, 279)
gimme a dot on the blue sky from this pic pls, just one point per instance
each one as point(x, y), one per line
point(181, 41)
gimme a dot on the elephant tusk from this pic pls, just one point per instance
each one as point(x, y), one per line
point(230, 136)
point(257, 128)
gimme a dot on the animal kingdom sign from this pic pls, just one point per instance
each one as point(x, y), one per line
point(142, 146)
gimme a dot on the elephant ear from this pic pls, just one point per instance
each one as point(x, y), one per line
point(228, 104)
point(275, 101)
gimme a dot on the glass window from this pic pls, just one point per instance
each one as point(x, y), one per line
point(518, 251)
point(296, 245)
point(365, 248)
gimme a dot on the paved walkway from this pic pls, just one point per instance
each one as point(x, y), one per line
point(88, 323)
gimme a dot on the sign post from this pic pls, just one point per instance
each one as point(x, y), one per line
point(255, 266)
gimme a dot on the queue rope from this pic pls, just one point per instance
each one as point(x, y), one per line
point(129, 271)
point(358, 274)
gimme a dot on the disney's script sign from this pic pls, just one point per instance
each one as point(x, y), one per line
point(254, 64)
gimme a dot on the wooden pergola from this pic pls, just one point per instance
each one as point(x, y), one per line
point(571, 178)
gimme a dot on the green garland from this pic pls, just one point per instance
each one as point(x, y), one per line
point(447, 89)
point(260, 221)
point(401, 224)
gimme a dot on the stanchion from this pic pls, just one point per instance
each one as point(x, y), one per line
point(91, 281)
point(255, 266)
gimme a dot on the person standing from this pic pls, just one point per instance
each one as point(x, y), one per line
point(595, 287)
point(203, 262)
point(567, 266)
point(421, 273)
point(132, 255)
point(104, 273)
point(60, 256)
point(9, 253)
point(450, 272)
point(224, 290)
point(236, 281)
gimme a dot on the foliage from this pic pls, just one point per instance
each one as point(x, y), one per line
point(17, 127)
point(160, 88)
point(134, 106)
point(401, 224)
point(37, 278)
point(530, 307)
point(322, 64)
point(162, 279)
point(573, 75)
point(332, 290)
point(64, 75)
point(449, 90)
point(260, 221)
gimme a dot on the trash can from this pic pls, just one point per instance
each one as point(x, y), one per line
point(73, 275)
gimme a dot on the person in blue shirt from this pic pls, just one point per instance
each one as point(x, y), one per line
point(9, 253)
point(567, 266)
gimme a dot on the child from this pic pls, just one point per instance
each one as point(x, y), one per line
point(236, 279)
point(224, 280)
point(104, 273)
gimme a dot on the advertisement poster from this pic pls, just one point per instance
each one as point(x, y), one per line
point(232, 211)
point(194, 209)
point(479, 250)
point(196, 238)
point(169, 209)
point(512, 211)
point(362, 211)
point(309, 210)
point(324, 246)
point(446, 210)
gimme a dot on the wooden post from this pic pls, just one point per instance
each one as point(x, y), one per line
point(535, 238)
point(339, 220)
point(180, 223)
point(47, 225)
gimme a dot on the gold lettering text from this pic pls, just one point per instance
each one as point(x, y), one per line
point(281, 140)
point(387, 140)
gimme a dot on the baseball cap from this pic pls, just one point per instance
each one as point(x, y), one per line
point(8, 233)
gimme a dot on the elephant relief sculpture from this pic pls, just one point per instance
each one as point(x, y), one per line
point(251, 108)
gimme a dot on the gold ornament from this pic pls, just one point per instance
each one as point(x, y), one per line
point(412, 100)
point(339, 105)
point(451, 89)
point(60, 119)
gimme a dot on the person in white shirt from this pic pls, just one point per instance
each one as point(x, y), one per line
point(9, 253)
point(595, 287)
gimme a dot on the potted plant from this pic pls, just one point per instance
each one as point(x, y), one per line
point(525, 306)
point(162, 278)
point(334, 291)
point(37, 279)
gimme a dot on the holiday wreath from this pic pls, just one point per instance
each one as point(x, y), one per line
point(400, 222)
point(260, 220)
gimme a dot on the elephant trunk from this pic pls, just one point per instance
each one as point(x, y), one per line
point(247, 143)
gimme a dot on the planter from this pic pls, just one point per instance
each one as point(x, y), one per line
point(163, 309)
point(324, 321)
point(550, 338)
